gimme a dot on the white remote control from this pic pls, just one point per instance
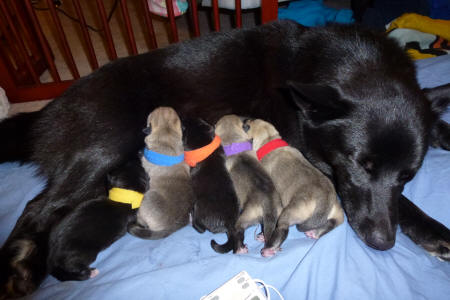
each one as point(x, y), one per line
point(240, 287)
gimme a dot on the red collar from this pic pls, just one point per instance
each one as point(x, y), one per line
point(269, 147)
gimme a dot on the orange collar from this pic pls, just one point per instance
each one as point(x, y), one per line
point(195, 156)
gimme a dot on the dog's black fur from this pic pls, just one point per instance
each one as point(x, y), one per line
point(359, 116)
point(216, 207)
point(93, 226)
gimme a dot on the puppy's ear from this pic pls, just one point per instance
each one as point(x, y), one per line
point(245, 124)
point(439, 98)
point(318, 103)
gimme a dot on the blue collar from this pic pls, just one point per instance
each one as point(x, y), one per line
point(162, 159)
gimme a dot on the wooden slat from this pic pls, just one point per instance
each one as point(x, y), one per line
point(107, 30)
point(21, 46)
point(126, 17)
point(86, 37)
point(194, 17)
point(62, 37)
point(173, 25)
point(237, 5)
point(216, 16)
point(269, 10)
point(149, 24)
point(43, 42)
point(41, 91)
point(26, 30)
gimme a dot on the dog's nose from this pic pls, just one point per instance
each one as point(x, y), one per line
point(380, 240)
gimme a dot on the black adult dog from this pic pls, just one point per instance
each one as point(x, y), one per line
point(358, 115)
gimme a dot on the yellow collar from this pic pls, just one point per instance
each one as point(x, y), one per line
point(126, 196)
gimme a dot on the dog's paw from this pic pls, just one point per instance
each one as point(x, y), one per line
point(94, 272)
point(260, 237)
point(439, 249)
point(18, 278)
point(312, 234)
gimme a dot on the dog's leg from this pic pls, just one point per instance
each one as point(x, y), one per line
point(272, 245)
point(24, 269)
point(251, 215)
point(423, 230)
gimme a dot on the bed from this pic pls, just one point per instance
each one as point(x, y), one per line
point(338, 266)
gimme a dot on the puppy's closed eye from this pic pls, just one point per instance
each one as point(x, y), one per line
point(147, 130)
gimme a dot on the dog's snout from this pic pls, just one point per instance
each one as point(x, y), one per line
point(380, 240)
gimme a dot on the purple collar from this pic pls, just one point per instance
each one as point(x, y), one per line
point(236, 148)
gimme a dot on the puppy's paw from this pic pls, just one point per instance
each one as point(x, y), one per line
point(242, 250)
point(312, 234)
point(94, 272)
point(260, 237)
point(269, 252)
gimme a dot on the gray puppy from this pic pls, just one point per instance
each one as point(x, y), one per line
point(309, 198)
point(167, 204)
point(259, 202)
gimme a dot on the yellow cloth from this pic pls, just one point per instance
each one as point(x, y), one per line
point(415, 54)
point(423, 24)
point(126, 196)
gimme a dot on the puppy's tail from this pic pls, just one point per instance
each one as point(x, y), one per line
point(224, 248)
point(145, 233)
point(15, 137)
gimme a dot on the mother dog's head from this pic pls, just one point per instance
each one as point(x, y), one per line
point(370, 138)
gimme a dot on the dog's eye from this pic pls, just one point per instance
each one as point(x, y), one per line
point(147, 130)
point(406, 176)
point(246, 127)
point(368, 165)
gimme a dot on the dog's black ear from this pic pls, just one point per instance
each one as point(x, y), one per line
point(439, 98)
point(318, 103)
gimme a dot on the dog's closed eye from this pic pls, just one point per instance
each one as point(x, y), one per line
point(406, 176)
point(147, 130)
point(368, 165)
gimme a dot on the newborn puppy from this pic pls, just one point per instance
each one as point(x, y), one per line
point(168, 202)
point(309, 198)
point(216, 207)
point(259, 201)
point(94, 225)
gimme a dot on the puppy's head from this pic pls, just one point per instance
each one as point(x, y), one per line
point(370, 140)
point(165, 127)
point(196, 133)
point(230, 128)
point(261, 132)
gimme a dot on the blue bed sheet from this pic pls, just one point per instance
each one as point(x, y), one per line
point(338, 266)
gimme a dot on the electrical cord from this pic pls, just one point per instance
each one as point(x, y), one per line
point(63, 12)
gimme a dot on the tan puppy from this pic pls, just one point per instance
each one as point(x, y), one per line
point(167, 204)
point(309, 198)
point(259, 201)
